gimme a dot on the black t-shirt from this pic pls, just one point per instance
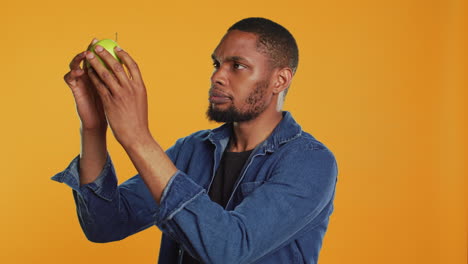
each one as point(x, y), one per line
point(228, 171)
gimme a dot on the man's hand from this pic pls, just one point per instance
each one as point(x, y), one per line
point(88, 103)
point(126, 107)
point(123, 97)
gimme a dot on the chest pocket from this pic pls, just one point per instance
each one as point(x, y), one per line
point(248, 187)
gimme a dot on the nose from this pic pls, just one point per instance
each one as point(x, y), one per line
point(219, 77)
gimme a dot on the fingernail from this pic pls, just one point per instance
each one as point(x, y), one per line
point(98, 48)
point(94, 40)
point(117, 48)
point(90, 55)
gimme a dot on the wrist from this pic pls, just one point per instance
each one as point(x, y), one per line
point(97, 131)
point(139, 143)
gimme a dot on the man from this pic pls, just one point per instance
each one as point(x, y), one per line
point(257, 189)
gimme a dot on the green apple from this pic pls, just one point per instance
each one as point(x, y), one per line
point(107, 44)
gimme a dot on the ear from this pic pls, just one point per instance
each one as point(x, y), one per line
point(282, 79)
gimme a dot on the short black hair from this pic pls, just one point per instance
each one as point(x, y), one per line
point(273, 39)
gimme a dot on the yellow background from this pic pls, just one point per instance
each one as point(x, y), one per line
point(381, 83)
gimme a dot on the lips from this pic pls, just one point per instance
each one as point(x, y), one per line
point(218, 93)
point(217, 97)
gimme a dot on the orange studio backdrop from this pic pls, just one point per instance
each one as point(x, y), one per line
point(382, 83)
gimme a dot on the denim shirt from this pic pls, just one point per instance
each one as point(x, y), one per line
point(278, 211)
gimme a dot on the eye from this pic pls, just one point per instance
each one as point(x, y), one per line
point(238, 66)
point(216, 64)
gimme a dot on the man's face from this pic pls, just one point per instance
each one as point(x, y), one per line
point(240, 81)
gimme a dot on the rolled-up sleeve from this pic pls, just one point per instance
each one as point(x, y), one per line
point(104, 186)
point(108, 212)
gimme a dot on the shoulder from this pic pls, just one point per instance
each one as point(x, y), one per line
point(198, 136)
point(308, 155)
point(306, 143)
point(307, 165)
point(187, 144)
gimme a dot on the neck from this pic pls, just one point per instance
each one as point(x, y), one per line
point(247, 135)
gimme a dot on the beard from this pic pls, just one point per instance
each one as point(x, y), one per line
point(255, 106)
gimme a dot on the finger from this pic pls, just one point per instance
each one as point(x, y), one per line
point(114, 65)
point(107, 78)
point(75, 69)
point(69, 79)
point(130, 64)
point(92, 43)
point(85, 63)
point(75, 63)
point(103, 92)
point(71, 76)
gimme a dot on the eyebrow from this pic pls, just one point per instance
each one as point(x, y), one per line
point(231, 58)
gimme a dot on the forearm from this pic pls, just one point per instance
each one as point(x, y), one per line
point(93, 154)
point(108, 211)
point(152, 163)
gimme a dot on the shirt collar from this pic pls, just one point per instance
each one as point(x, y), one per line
point(286, 130)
